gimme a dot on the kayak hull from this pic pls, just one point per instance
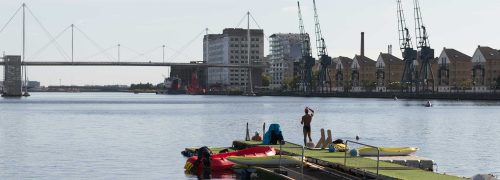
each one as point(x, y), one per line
point(387, 151)
point(219, 162)
point(265, 161)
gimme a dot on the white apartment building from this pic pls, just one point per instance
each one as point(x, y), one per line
point(231, 47)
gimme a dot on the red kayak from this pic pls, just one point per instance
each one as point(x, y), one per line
point(219, 162)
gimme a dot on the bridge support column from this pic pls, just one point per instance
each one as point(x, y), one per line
point(12, 76)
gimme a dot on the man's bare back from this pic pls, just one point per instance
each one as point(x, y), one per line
point(306, 121)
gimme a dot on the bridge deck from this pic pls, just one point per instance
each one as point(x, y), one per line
point(89, 63)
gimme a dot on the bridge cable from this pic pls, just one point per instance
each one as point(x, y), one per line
point(143, 54)
point(267, 38)
point(98, 53)
point(177, 51)
point(111, 58)
point(241, 21)
point(47, 33)
point(187, 45)
point(10, 20)
point(153, 50)
point(35, 55)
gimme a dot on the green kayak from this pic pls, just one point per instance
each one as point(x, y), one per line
point(265, 161)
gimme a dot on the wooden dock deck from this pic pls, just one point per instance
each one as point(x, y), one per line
point(359, 166)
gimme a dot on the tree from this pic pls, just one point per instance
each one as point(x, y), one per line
point(266, 80)
point(140, 86)
point(394, 86)
point(466, 84)
point(369, 85)
point(291, 83)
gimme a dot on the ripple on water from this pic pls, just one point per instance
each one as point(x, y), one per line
point(130, 136)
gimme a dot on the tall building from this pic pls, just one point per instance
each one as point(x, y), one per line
point(285, 50)
point(231, 47)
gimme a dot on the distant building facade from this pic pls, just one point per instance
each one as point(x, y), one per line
point(389, 71)
point(363, 73)
point(485, 69)
point(231, 47)
point(188, 73)
point(285, 51)
point(33, 84)
point(454, 71)
point(342, 73)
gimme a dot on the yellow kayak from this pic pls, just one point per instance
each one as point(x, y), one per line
point(387, 151)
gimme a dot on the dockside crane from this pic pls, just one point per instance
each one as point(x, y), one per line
point(409, 77)
point(426, 54)
point(307, 61)
point(324, 59)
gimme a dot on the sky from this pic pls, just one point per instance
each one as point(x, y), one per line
point(141, 27)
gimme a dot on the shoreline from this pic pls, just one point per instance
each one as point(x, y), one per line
point(360, 95)
point(393, 95)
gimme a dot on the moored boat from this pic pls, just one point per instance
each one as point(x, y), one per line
point(265, 161)
point(219, 162)
point(387, 151)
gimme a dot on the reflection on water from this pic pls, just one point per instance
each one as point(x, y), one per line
point(140, 136)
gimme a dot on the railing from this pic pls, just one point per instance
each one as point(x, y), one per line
point(281, 171)
point(378, 153)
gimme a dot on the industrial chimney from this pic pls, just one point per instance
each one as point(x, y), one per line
point(362, 44)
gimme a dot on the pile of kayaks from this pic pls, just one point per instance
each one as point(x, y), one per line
point(387, 151)
point(266, 156)
point(219, 162)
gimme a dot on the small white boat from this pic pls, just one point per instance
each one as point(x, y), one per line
point(387, 151)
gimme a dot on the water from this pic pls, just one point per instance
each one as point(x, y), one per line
point(140, 136)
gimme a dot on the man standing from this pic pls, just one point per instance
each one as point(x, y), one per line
point(306, 121)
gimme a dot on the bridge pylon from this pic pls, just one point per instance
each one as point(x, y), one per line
point(12, 84)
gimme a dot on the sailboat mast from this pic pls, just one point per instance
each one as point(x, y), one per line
point(24, 49)
point(250, 89)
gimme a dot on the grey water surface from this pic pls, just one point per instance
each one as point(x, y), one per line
point(140, 136)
